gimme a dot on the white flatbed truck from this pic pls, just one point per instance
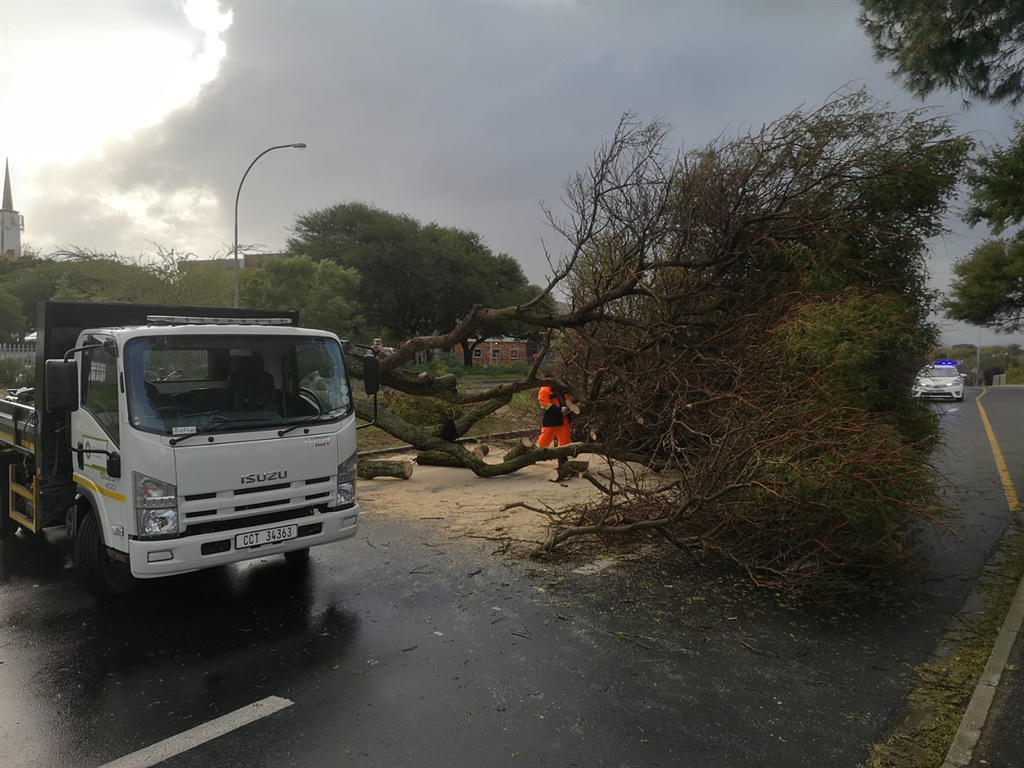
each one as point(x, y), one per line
point(171, 439)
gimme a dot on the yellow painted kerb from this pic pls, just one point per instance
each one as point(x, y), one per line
point(1004, 473)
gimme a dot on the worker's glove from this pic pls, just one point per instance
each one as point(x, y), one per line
point(565, 409)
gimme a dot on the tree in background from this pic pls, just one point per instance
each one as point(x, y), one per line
point(81, 275)
point(12, 320)
point(188, 281)
point(466, 273)
point(975, 47)
point(325, 294)
point(414, 280)
point(988, 287)
point(996, 181)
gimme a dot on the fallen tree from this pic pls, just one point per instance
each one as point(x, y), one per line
point(746, 318)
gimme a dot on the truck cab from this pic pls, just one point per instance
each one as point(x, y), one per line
point(176, 441)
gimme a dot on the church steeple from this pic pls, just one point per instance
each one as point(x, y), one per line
point(8, 198)
point(11, 222)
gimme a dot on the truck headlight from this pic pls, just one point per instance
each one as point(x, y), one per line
point(156, 506)
point(347, 482)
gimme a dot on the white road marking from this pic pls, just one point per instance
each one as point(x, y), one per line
point(595, 567)
point(183, 742)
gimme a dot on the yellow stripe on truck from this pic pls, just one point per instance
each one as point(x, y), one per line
point(102, 491)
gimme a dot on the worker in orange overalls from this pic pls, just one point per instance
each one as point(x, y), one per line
point(554, 422)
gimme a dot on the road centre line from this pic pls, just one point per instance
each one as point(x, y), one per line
point(183, 742)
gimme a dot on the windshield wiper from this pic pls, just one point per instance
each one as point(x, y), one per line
point(310, 419)
point(217, 423)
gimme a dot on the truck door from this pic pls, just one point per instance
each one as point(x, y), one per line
point(96, 431)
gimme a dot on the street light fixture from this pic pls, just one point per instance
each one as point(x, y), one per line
point(300, 145)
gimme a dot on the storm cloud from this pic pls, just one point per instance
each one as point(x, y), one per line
point(470, 114)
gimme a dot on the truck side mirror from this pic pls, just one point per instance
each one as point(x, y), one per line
point(371, 374)
point(61, 385)
point(114, 465)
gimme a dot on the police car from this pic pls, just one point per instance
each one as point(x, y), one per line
point(940, 380)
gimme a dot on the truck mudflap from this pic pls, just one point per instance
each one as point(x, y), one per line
point(167, 557)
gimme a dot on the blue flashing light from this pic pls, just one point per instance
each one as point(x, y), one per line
point(945, 362)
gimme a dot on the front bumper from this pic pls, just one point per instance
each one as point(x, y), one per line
point(939, 393)
point(153, 559)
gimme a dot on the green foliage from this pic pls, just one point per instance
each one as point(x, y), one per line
point(769, 307)
point(422, 411)
point(854, 484)
point(988, 287)
point(971, 46)
point(16, 373)
point(996, 180)
point(324, 293)
point(415, 279)
point(863, 347)
point(12, 319)
point(79, 275)
point(187, 282)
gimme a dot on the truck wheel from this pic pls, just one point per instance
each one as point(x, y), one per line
point(100, 576)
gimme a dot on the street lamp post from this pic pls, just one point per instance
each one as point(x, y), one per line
point(238, 194)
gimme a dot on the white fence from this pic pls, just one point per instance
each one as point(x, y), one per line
point(24, 352)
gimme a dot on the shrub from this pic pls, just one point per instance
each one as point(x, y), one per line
point(16, 373)
point(422, 411)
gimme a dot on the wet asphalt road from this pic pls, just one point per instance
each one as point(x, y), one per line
point(406, 648)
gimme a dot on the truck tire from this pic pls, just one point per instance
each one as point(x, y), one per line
point(100, 576)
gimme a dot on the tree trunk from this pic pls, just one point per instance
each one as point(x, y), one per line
point(519, 448)
point(568, 469)
point(438, 459)
point(368, 470)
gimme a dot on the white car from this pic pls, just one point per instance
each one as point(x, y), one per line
point(940, 381)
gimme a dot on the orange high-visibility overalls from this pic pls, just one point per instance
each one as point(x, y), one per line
point(555, 425)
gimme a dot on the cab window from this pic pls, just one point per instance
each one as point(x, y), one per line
point(99, 389)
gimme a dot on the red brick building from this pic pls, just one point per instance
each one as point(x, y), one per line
point(501, 351)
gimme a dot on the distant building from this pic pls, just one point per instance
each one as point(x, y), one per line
point(12, 223)
point(504, 350)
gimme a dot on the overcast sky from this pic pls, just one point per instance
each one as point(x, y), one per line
point(129, 125)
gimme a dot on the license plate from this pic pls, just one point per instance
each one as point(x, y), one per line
point(266, 536)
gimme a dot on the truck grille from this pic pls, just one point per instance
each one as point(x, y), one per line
point(248, 506)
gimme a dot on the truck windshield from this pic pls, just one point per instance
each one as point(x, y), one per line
point(190, 383)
